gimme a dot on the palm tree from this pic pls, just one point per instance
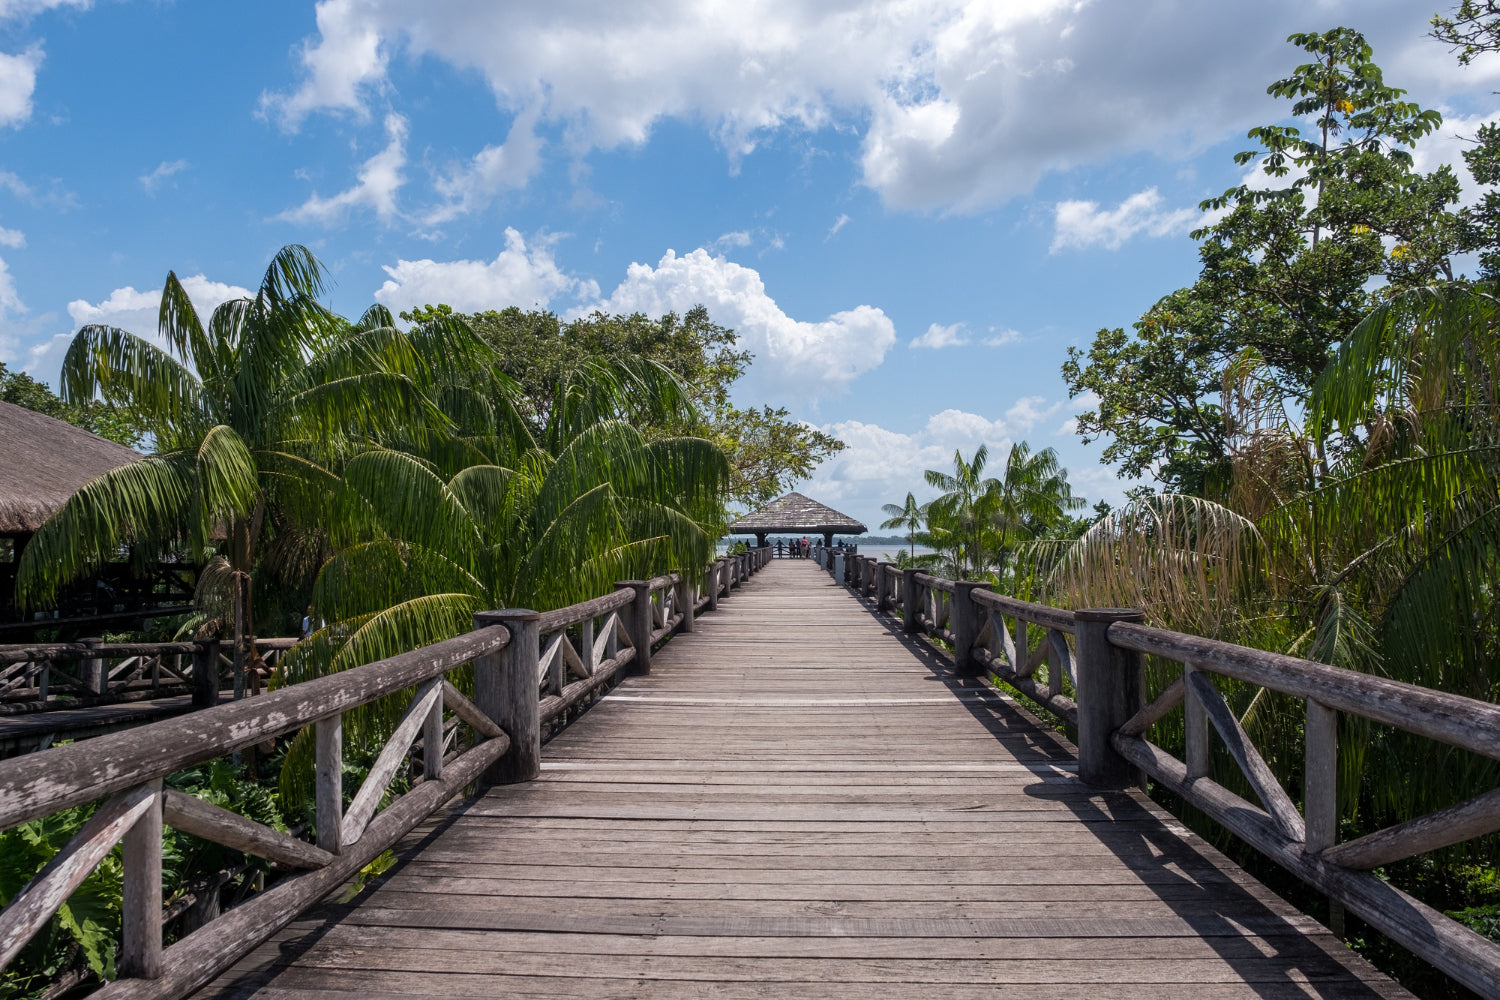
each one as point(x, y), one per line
point(539, 517)
point(908, 515)
point(249, 415)
point(985, 516)
point(1032, 496)
point(964, 509)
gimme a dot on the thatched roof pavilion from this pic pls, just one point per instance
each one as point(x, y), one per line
point(795, 514)
point(43, 461)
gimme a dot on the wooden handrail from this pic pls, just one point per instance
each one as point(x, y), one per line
point(1438, 715)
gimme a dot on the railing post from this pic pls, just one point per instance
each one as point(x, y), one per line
point(1109, 692)
point(1321, 782)
point(838, 568)
point(963, 620)
point(507, 689)
point(91, 671)
point(140, 951)
point(911, 601)
point(328, 796)
point(712, 579)
point(882, 589)
point(638, 622)
point(205, 673)
point(685, 601)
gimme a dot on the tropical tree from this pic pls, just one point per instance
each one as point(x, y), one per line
point(984, 518)
point(1290, 265)
point(250, 415)
point(532, 516)
point(767, 450)
point(1030, 499)
point(908, 515)
point(1383, 562)
point(964, 510)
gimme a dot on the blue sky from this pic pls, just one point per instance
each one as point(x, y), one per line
point(909, 211)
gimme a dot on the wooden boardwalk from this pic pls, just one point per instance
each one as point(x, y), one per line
point(800, 802)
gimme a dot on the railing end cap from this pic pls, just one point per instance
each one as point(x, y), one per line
point(1109, 615)
point(504, 615)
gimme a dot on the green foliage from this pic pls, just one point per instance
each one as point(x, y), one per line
point(1286, 272)
point(767, 451)
point(1481, 221)
point(222, 784)
point(1473, 28)
point(85, 927)
point(251, 414)
point(536, 516)
point(978, 523)
point(93, 416)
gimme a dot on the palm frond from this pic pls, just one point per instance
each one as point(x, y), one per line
point(143, 500)
point(137, 376)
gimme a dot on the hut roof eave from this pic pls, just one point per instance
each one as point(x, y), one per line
point(796, 514)
point(45, 461)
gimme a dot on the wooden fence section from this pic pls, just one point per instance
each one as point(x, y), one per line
point(800, 801)
point(75, 690)
point(516, 665)
point(1093, 679)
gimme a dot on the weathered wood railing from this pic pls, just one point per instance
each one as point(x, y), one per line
point(1103, 667)
point(93, 672)
point(528, 668)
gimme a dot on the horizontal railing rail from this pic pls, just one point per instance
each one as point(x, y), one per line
point(1095, 681)
point(39, 676)
point(528, 668)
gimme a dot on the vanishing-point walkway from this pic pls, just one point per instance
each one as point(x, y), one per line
point(798, 802)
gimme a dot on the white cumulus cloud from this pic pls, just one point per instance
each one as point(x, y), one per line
point(130, 310)
point(520, 275)
point(959, 104)
point(938, 336)
point(375, 188)
point(819, 357)
point(347, 56)
point(1083, 224)
point(18, 84)
point(139, 312)
point(508, 166)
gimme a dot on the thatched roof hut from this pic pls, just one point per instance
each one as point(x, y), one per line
point(43, 461)
point(795, 514)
